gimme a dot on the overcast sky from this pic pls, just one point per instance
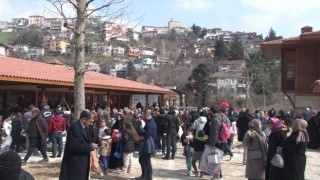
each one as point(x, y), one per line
point(286, 17)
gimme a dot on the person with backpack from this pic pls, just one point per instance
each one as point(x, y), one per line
point(225, 132)
point(214, 130)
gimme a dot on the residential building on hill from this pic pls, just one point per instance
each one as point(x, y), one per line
point(142, 64)
point(174, 24)
point(35, 52)
point(229, 84)
point(91, 66)
point(231, 66)
point(36, 20)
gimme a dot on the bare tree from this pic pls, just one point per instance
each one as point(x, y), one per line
point(83, 9)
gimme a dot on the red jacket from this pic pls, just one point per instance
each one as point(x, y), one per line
point(57, 123)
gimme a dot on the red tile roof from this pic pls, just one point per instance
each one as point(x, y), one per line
point(18, 70)
point(291, 39)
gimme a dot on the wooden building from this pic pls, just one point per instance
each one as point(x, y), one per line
point(24, 82)
point(300, 66)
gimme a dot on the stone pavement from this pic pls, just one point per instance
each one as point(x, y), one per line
point(168, 169)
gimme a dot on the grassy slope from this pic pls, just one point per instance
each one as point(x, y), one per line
point(5, 37)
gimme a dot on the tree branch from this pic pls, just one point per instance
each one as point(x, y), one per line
point(90, 1)
point(73, 4)
point(91, 11)
point(59, 8)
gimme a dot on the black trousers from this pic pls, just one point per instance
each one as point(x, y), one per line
point(16, 143)
point(171, 142)
point(146, 166)
point(39, 144)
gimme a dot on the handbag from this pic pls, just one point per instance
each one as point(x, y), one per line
point(277, 159)
point(255, 154)
point(117, 154)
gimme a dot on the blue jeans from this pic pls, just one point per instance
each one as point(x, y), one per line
point(56, 138)
point(105, 161)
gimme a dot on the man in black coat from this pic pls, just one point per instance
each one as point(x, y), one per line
point(172, 124)
point(76, 159)
point(160, 140)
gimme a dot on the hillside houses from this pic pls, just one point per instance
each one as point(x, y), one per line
point(228, 79)
point(149, 49)
point(142, 64)
point(231, 66)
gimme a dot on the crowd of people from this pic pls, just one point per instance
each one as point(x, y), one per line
point(104, 140)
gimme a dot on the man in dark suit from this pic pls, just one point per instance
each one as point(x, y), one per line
point(147, 147)
point(76, 158)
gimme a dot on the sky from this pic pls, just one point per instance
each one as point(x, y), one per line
point(286, 17)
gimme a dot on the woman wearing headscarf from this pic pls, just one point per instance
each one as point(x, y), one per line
point(294, 151)
point(275, 139)
point(313, 130)
point(256, 142)
point(311, 115)
point(114, 162)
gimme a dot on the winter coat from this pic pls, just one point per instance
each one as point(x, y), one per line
point(42, 127)
point(16, 127)
point(314, 132)
point(147, 146)
point(198, 124)
point(160, 124)
point(214, 130)
point(198, 144)
point(242, 125)
point(255, 168)
point(47, 114)
point(294, 156)
point(57, 123)
point(105, 146)
point(128, 140)
point(215, 127)
point(172, 124)
point(275, 139)
point(76, 158)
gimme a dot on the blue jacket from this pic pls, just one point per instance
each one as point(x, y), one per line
point(147, 146)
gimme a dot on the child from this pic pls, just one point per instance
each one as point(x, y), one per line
point(198, 145)
point(186, 140)
point(105, 149)
point(129, 138)
point(103, 126)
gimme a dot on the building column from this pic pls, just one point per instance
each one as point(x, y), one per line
point(147, 100)
point(108, 100)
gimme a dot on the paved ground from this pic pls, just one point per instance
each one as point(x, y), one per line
point(169, 169)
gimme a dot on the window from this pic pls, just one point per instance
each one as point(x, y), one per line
point(289, 65)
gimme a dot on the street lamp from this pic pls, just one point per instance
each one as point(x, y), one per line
point(264, 98)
